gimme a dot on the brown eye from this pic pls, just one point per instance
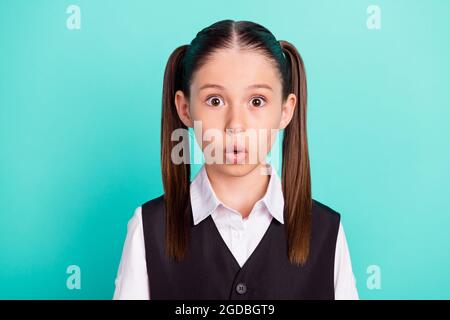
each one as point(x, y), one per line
point(214, 101)
point(258, 102)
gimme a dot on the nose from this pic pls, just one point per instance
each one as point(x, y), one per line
point(236, 119)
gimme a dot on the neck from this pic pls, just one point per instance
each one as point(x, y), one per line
point(239, 192)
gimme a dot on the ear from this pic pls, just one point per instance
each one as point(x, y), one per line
point(287, 111)
point(182, 105)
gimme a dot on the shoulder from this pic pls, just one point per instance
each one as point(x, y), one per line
point(155, 203)
point(135, 221)
point(153, 212)
point(323, 209)
point(325, 214)
point(325, 228)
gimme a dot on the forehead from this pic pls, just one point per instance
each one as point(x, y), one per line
point(236, 70)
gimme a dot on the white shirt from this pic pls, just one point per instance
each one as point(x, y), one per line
point(240, 235)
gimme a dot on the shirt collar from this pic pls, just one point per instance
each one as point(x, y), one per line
point(204, 200)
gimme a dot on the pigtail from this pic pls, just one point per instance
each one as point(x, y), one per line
point(296, 176)
point(176, 177)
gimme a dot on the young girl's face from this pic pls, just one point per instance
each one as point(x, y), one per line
point(237, 97)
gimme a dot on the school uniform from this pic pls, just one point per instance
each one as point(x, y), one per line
point(234, 258)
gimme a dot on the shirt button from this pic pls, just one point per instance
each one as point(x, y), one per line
point(241, 288)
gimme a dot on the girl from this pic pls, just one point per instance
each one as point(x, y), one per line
point(236, 231)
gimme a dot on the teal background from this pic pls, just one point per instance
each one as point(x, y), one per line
point(80, 121)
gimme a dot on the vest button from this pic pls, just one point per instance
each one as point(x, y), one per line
point(241, 288)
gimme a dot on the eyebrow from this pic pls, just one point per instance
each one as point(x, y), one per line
point(254, 86)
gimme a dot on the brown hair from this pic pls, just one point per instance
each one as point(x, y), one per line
point(296, 180)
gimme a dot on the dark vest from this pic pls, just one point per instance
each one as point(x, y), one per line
point(210, 271)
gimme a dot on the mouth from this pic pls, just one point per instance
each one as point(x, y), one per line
point(236, 154)
point(235, 148)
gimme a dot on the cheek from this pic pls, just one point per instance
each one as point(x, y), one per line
point(267, 126)
point(205, 122)
point(266, 118)
point(266, 139)
point(208, 117)
point(208, 132)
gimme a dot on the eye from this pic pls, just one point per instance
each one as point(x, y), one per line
point(258, 102)
point(214, 101)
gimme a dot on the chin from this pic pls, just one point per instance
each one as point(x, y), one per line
point(236, 170)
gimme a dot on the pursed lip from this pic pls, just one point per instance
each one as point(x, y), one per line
point(236, 148)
